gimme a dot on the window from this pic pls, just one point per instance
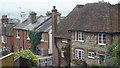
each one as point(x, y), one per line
point(62, 54)
point(64, 41)
point(91, 54)
point(4, 39)
point(42, 37)
point(101, 39)
point(18, 34)
point(79, 36)
point(101, 59)
point(79, 54)
point(28, 38)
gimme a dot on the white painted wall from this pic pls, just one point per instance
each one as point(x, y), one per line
point(50, 42)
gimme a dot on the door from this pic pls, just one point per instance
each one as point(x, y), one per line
point(101, 59)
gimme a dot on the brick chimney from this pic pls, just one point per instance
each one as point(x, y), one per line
point(54, 29)
point(4, 19)
point(54, 19)
point(33, 17)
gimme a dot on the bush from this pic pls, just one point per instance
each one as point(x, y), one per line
point(27, 54)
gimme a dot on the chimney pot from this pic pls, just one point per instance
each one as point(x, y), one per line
point(54, 9)
point(4, 19)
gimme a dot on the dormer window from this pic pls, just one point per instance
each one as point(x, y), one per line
point(18, 34)
point(79, 36)
point(101, 39)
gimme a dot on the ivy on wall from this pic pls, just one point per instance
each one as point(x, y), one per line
point(35, 37)
point(66, 50)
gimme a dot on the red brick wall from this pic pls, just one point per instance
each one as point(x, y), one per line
point(45, 44)
point(10, 41)
point(21, 41)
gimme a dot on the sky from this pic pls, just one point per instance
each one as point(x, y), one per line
point(44, 5)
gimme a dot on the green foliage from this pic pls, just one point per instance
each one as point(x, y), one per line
point(67, 53)
point(35, 38)
point(114, 52)
point(27, 54)
point(79, 63)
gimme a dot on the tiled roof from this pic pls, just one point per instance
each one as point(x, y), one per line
point(92, 17)
point(97, 17)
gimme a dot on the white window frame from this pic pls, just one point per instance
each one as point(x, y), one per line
point(79, 54)
point(18, 34)
point(79, 36)
point(42, 37)
point(28, 38)
point(90, 55)
point(62, 54)
point(3, 39)
point(64, 41)
point(102, 39)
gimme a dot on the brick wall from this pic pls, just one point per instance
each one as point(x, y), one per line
point(24, 41)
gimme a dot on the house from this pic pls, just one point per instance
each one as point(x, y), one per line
point(94, 28)
point(88, 29)
point(6, 32)
point(42, 24)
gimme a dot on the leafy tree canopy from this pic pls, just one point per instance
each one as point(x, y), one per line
point(35, 38)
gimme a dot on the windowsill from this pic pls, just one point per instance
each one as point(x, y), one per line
point(18, 37)
point(91, 57)
point(64, 42)
point(42, 40)
point(28, 39)
point(4, 42)
point(101, 44)
point(80, 40)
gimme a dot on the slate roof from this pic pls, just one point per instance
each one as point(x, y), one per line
point(46, 26)
point(27, 25)
point(91, 17)
point(43, 24)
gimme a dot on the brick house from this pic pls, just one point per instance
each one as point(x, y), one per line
point(6, 32)
point(39, 23)
point(89, 29)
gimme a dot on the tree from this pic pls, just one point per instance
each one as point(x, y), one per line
point(27, 54)
point(35, 38)
point(114, 52)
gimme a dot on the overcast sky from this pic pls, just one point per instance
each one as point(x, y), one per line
point(44, 5)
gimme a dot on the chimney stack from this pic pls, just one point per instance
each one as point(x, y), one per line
point(54, 20)
point(4, 19)
point(33, 17)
